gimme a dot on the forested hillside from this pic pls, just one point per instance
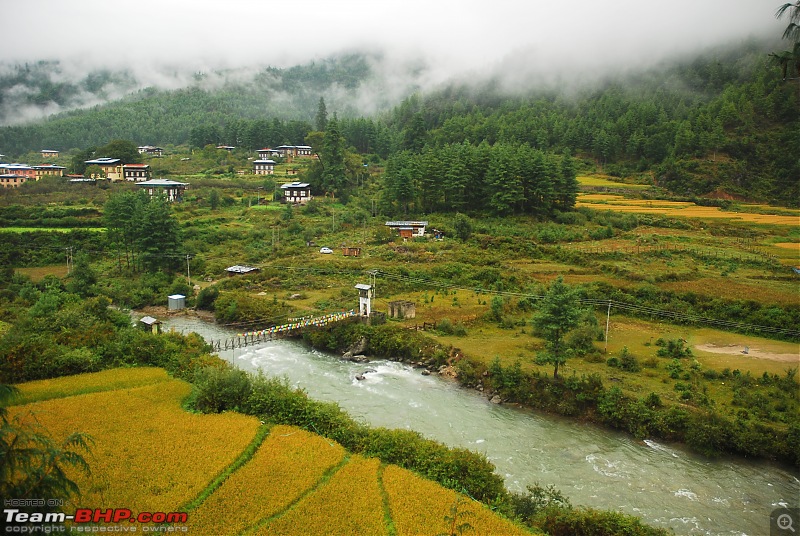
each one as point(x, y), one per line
point(721, 123)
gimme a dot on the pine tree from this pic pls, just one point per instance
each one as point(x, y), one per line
point(321, 120)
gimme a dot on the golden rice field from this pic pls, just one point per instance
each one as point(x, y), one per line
point(350, 503)
point(107, 380)
point(151, 455)
point(406, 491)
point(148, 454)
point(287, 464)
point(618, 203)
point(595, 180)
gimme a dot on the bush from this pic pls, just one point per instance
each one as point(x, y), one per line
point(207, 297)
point(675, 348)
point(220, 389)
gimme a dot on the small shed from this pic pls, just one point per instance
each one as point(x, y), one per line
point(241, 270)
point(408, 229)
point(150, 324)
point(351, 251)
point(176, 302)
point(402, 309)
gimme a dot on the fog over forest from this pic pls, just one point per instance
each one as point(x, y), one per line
point(411, 44)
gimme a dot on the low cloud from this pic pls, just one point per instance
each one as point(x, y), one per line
point(167, 43)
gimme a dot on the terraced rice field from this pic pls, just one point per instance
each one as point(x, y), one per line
point(618, 203)
point(151, 455)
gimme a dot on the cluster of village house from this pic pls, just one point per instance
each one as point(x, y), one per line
point(15, 175)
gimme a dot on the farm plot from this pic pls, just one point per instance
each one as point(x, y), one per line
point(107, 380)
point(350, 503)
point(288, 462)
point(682, 209)
point(419, 506)
point(148, 454)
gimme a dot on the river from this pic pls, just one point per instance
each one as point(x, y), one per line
point(664, 484)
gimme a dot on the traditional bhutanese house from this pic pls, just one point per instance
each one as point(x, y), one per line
point(150, 324)
point(241, 270)
point(136, 172)
point(151, 150)
point(10, 180)
point(228, 148)
point(49, 153)
point(172, 190)
point(303, 151)
point(265, 154)
point(80, 179)
point(263, 167)
point(112, 168)
point(45, 170)
point(287, 151)
point(296, 192)
point(408, 229)
point(22, 170)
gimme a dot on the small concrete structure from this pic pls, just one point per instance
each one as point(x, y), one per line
point(402, 309)
point(365, 294)
point(176, 302)
point(150, 324)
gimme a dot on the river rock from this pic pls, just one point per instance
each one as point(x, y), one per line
point(360, 377)
point(370, 370)
point(426, 372)
point(358, 347)
point(496, 400)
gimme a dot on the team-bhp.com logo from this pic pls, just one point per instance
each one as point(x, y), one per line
point(47, 522)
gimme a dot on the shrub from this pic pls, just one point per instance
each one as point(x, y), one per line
point(675, 348)
point(207, 297)
point(220, 389)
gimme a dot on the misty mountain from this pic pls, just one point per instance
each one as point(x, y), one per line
point(60, 108)
point(720, 121)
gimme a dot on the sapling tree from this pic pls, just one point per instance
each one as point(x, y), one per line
point(559, 313)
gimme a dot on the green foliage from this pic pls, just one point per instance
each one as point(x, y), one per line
point(33, 465)
point(219, 389)
point(456, 520)
point(463, 227)
point(144, 228)
point(207, 298)
point(559, 312)
point(674, 348)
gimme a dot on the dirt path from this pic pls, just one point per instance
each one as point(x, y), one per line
point(739, 349)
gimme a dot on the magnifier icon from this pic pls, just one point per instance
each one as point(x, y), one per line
point(784, 522)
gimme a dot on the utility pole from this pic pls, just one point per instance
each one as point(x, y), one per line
point(373, 279)
point(188, 276)
point(69, 259)
point(608, 319)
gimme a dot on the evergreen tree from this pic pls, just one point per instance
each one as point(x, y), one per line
point(332, 159)
point(321, 120)
point(559, 313)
